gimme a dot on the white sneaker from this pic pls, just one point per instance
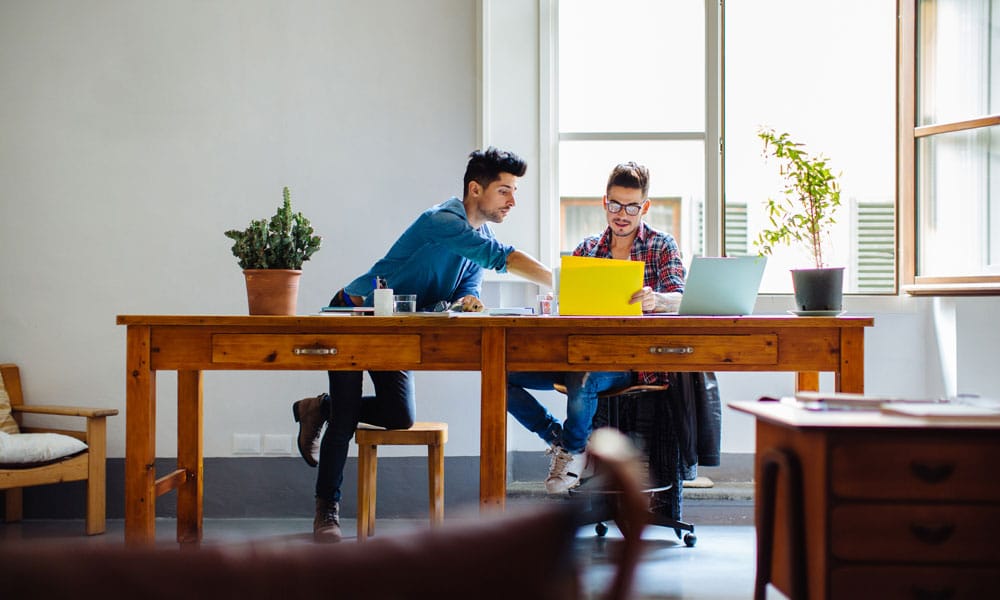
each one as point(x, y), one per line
point(564, 470)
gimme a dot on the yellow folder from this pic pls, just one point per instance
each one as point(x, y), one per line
point(599, 286)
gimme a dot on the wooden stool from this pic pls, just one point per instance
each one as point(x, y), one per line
point(432, 435)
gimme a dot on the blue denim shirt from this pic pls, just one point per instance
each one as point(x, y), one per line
point(439, 257)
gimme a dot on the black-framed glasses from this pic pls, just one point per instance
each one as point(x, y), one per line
point(630, 209)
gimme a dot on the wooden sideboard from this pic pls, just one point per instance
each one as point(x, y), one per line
point(892, 506)
point(191, 344)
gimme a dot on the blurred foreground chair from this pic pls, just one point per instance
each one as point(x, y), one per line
point(525, 553)
point(32, 456)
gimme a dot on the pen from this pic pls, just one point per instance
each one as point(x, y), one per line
point(380, 283)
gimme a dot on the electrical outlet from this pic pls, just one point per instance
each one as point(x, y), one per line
point(277, 444)
point(246, 443)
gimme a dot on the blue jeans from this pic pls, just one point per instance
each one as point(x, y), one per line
point(392, 407)
point(581, 403)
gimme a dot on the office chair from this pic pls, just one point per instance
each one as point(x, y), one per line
point(663, 492)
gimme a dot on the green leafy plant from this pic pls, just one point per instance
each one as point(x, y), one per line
point(810, 198)
point(284, 242)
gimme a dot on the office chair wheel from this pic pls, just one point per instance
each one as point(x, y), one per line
point(690, 540)
point(601, 529)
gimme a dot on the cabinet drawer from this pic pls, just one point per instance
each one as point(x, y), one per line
point(333, 351)
point(944, 533)
point(918, 467)
point(653, 351)
point(914, 583)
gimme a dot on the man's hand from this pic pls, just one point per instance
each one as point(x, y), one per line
point(647, 297)
point(655, 301)
point(471, 304)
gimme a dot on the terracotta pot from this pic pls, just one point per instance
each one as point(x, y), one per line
point(272, 291)
point(818, 289)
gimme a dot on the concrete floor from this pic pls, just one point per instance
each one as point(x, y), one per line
point(719, 567)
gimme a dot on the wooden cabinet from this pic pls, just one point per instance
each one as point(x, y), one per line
point(924, 510)
point(893, 507)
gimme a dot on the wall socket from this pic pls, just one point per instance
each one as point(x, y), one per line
point(246, 443)
point(277, 444)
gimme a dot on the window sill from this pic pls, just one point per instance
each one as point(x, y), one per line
point(986, 286)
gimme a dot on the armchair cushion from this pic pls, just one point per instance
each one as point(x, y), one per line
point(30, 449)
point(7, 422)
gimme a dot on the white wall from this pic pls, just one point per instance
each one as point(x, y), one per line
point(132, 134)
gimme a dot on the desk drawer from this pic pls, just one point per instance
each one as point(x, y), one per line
point(914, 583)
point(659, 352)
point(918, 467)
point(378, 351)
point(927, 533)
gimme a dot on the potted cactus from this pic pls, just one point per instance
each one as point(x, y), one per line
point(804, 215)
point(271, 253)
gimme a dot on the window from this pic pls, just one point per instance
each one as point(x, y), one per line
point(631, 86)
point(642, 80)
point(831, 88)
point(950, 145)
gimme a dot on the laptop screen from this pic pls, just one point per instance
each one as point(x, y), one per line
point(724, 286)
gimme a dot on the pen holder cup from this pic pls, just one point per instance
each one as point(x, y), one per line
point(383, 302)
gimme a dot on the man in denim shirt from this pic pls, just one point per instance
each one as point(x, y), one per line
point(439, 258)
point(627, 237)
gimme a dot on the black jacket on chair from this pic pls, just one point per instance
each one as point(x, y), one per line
point(696, 411)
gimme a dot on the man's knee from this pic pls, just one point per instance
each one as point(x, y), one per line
point(400, 422)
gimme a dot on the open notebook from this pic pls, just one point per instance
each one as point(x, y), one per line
point(722, 285)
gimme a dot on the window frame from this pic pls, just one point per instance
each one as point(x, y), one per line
point(907, 135)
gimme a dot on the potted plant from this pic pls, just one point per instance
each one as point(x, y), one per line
point(803, 215)
point(271, 254)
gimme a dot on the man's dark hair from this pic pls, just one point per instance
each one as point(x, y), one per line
point(630, 175)
point(485, 167)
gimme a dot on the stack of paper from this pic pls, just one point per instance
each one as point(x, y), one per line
point(944, 410)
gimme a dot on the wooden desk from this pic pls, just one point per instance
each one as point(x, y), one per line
point(490, 345)
point(893, 507)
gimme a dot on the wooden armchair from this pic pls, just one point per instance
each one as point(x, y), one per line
point(87, 465)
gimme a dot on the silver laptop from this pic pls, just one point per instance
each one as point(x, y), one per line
point(723, 286)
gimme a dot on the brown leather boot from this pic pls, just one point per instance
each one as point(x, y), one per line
point(308, 413)
point(326, 524)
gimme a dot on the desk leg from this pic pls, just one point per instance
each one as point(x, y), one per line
point(493, 421)
point(807, 381)
point(190, 452)
point(851, 377)
point(140, 439)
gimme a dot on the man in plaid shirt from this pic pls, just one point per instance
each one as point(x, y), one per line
point(627, 237)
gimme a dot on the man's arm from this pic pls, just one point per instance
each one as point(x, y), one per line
point(525, 266)
point(666, 283)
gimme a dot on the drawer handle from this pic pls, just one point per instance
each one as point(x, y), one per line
point(671, 350)
point(314, 351)
point(932, 534)
point(929, 473)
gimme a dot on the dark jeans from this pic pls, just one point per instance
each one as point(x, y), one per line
point(391, 407)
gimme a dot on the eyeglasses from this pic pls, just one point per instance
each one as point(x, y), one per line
point(630, 209)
